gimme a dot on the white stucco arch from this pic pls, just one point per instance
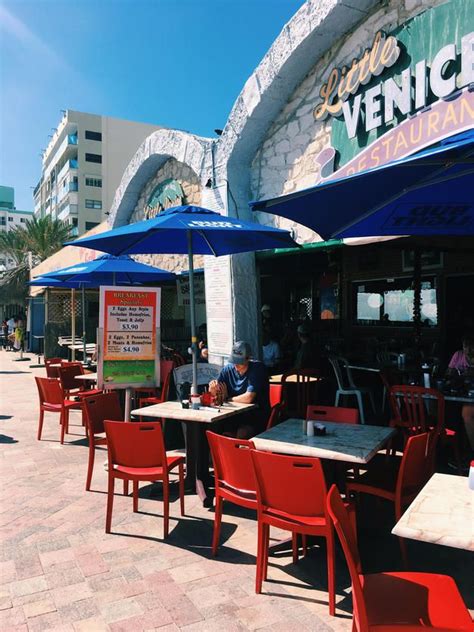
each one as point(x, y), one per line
point(307, 36)
point(155, 150)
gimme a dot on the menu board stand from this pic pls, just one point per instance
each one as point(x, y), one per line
point(128, 340)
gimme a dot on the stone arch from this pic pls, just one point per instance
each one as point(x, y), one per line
point(306, 37)
point(156, 149)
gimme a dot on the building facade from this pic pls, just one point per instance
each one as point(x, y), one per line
point(10, 218)
point(347, 85)
point(82, 166)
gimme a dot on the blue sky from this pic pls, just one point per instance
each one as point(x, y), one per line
point(177, 63)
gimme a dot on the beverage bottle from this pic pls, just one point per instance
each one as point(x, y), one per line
point(471, 476)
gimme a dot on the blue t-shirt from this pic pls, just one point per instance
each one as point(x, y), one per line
point(255, 380)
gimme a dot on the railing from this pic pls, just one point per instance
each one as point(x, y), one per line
point(73, 186)
point(72, 139)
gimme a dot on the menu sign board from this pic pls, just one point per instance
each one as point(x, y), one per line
point(129, 321)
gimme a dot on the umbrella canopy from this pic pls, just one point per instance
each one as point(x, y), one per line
point(191, 230)
point(429, 193)
point(108, 269)
point(212, 234)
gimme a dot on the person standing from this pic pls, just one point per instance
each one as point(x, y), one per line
point(462, 364)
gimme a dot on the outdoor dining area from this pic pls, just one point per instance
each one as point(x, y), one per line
point(310, 476)
point(309, 452)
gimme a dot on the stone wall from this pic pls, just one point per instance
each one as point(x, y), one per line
point(189, 181)
point(286, 160)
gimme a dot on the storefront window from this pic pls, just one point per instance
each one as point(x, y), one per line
point(390, 302)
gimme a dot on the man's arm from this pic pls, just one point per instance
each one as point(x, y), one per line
point(246, 398)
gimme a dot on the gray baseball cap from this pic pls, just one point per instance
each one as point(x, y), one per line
point(241, 351)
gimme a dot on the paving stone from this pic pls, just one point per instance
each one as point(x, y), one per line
point(28, 586)
point(36, 608)
point(118, 610)
point(78, 610)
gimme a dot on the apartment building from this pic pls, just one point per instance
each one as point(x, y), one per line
point(83, 165)
point(10, 217)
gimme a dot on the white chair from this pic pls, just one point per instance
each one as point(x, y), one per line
point(346, 386)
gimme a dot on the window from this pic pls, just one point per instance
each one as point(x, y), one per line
point(91, 225)
point(74, 221)
point(94, 158)
point(3, 221)
point(93, 204)
point(94, 182)
point(22, 220)
point(93, 135)
point(10, 219)
point(2, 262)
point(390, 302)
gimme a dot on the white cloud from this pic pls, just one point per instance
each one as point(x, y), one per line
point(20, 32)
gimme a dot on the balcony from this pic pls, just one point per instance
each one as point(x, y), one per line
point(69, 209)
point(74, 231)
point(72, 139)
point(69, 164)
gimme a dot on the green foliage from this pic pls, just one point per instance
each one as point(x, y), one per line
point(41, 237)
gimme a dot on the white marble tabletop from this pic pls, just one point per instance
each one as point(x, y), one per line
point(343, 442)
point(87, 377)
point(205, 414)
point(291, 379)
point(442, 513)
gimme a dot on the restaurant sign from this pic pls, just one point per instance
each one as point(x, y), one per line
point(383, 102)
point(129, 322)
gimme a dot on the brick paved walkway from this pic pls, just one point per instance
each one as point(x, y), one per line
point(60, 571)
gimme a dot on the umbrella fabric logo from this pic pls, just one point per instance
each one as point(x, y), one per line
point(450, 216)
point(211, 224)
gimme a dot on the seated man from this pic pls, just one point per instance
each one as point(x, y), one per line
point(244, 381)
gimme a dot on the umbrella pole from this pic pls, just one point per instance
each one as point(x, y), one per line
point(84, 357)
point(194, 389)
point(73, 324)
point(417, 301)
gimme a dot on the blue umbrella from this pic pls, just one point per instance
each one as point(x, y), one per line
point(429, 193)
point(109, 269)
point(191, 230)
point(104, 270)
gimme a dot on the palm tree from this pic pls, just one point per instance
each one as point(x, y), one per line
point(41, 237)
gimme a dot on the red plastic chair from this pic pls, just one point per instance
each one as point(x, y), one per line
point(275, 394)
point(52, 371)
point(52, 400)
point(400, 485)
point(137, 453)
point(397, 602)
point(163, 397)
point(409, 406)
point(166, 367)
point(306, 391)
point(275, 416)
point(97, 409)
point(72, 387)
point(332, 413)
point(235, 480)
point(291, 495)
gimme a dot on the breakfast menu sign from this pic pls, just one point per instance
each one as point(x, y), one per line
point(129, 321)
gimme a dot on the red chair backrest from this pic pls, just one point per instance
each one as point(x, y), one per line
point(232, 462)
point(166, 385)
point(416, 465)
point(49, 390)
point(275, 416)
point(68, 373)
point(166, 367)
point(306, 390)
point(275, 394)
point(135, 444)
point(340, 518)
point(98, 408)
point(290, 484)
point(52, 371)
point(409, 405)
point(332, 413)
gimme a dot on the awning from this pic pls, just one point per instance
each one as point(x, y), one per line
point(429, 193)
